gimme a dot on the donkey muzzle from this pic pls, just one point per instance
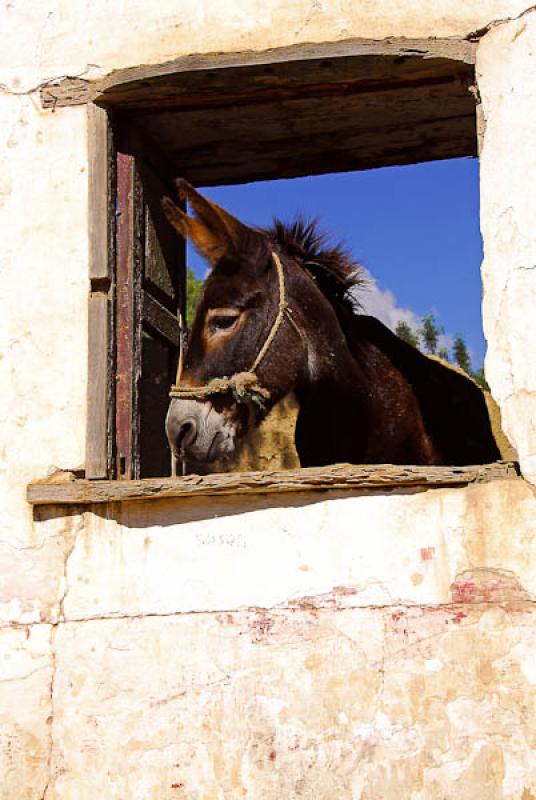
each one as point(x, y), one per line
point(198, 432)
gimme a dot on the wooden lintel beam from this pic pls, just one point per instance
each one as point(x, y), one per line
point(135, 82)
point(111, 88)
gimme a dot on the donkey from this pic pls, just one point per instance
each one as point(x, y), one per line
point(278, 313)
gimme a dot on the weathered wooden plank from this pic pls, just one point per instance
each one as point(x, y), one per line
point(160, 319)
point(286, 82)
point(165, 252)
point(330, 152)
point(360, 111)
point(147, 251)
point(64, 489)
point(159, 272)
point(316, 134)
point(99, 197)
point(97, 426)
point(128, 276)
point(101, 254)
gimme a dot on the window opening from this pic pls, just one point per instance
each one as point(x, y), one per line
point(242, 122)
point(414, 229)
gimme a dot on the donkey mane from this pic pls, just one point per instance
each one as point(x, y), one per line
point(329, 263)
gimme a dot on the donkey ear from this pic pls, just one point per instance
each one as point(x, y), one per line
point(209, 237)
point(213, 231)
point(246, 243)
point(213, 214)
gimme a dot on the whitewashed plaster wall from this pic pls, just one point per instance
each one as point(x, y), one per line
point(506, 74)
point(365, 647)
point(43, 40)
point(43, 291)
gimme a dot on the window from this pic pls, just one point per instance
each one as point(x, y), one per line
point(231, 119)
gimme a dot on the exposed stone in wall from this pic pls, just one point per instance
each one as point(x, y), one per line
point(32, 577)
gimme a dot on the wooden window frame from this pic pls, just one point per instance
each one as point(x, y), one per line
point(365, 72)
point(101, 356)
point(123, 244)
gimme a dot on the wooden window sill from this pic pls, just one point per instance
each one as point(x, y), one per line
point(66, 489)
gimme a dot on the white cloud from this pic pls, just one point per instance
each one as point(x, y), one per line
point(382, 304)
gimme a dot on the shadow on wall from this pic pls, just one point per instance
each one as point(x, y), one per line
point(166, 512)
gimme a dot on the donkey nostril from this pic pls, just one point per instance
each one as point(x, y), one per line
point(186, 435)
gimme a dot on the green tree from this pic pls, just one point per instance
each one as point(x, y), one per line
point(429, 333)
point(443, 353)
point(193, 289)
point(461, 354)
point(479, 378)
point(407, 334)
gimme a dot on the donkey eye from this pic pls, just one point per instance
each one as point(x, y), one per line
point(222, 319)
point(223, 322)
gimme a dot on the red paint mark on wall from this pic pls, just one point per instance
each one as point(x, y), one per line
point(332, 599)
point(417, 623)
point(464, 591)
point(260, 628)
point(427, 553)
point(487, 586)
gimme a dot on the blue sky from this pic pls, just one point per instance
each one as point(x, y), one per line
point(414, 228)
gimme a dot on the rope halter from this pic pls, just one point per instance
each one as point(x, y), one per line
point(244, 386)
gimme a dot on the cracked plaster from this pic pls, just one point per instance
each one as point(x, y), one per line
point(48, 40)
point(25, 710)
point(391, 703)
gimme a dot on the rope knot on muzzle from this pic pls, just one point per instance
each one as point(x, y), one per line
point(244, 387)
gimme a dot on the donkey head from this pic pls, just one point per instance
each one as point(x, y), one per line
point(234, 316)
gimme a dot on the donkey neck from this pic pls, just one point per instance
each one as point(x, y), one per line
point(334, 419)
